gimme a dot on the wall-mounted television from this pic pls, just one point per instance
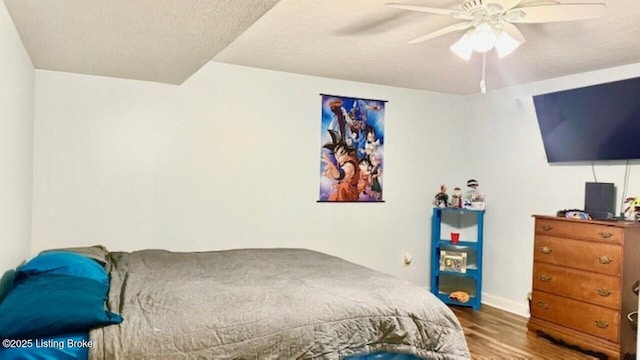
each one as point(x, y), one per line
point(593, 123)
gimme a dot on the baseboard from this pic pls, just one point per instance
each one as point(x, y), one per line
point(511, 306)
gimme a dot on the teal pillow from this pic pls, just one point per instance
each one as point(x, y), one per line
point(383, 356)
point(63, 263)
point(98, 253)
point(52, 304)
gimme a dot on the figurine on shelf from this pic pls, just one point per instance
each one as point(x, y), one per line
point(442, 199)
point(456, 198)
point(472, 184)
point(632, 211)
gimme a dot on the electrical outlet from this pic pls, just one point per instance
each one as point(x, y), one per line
point(406, 259)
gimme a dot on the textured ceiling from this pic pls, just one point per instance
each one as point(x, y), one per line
point(358, 40)
point(363, 40)
point(154, 40)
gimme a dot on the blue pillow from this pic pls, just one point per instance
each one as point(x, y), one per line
point(51, 304)
point(59, 347)
point(383, 356)
point(64, 263)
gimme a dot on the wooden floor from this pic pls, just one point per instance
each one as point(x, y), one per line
point(495, 334)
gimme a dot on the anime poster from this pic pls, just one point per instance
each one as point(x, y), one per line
point(352, 148)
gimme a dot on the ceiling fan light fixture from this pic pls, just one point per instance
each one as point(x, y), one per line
point(483, 38)
point(492, 23)
point(463, 48)
point(505, 44)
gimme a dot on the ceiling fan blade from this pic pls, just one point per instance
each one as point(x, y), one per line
point(554, 13)
point(431, 10)
point(443, 31)
point(513, 31)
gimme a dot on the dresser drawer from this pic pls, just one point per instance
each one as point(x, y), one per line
point(591, 319)
point(580, 230)
point(580, 285)
point(582, 255)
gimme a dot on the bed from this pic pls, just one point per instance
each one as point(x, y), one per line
point(266, 304)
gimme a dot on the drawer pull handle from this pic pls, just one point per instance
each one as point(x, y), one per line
point(544, 277)
point(604, 292)
point(543, 305)
point(605, 235)
point(547, 227)
point(545, 250)
point(604, 260)
point(601, 324)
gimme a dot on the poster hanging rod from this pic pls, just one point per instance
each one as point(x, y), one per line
point(354, 97)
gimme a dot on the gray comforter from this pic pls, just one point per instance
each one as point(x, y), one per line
point(267, 304)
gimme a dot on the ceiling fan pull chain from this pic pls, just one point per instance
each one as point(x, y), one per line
point(483, 86)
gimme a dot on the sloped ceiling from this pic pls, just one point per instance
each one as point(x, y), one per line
point(358, 40)
point(154, 40)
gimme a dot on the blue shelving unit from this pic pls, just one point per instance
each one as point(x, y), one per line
point(444, 282)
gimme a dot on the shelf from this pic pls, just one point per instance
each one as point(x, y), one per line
point(461, 210)
point(471, 272)
point(445, 299)
point(461, 245)
point(470, 224)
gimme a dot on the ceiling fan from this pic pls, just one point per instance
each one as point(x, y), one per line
point(490, 23)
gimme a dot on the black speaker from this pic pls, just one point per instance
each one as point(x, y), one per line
point(599, 200)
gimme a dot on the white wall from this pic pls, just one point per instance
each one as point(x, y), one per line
point(506, 155)
point(16, 145)
point(230, 159)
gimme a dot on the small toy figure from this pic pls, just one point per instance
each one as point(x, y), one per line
point(632, 211)
point(456, 198)
point(469, 194)
point(442, 199)
point(579, 215)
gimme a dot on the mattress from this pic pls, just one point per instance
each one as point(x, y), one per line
point(267, 304)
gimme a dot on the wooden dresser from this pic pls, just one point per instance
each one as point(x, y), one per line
point(583, 277)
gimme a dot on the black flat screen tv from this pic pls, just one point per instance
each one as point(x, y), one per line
point(594, 123)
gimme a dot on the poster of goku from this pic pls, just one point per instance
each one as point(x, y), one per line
point(352, 148)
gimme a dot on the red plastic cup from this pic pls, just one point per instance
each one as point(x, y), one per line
point(455, 237)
